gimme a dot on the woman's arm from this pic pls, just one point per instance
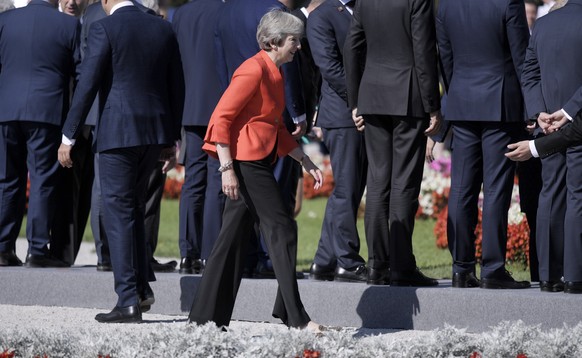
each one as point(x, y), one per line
point(229, 179)
point(308, 165)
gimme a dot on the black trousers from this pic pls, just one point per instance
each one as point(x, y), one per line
point(395, 147)
point(262, 203)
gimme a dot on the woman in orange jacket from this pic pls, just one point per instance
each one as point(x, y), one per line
point(246, 133)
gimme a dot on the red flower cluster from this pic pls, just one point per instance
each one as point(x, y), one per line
point(7, 354)
point(172, 188)
point(308, 353)
point(517, 237)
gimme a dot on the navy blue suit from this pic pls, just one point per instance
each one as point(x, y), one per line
point(202, 200)
point(133, 62)
point(550, 86)
point(36, 66)
point(482, 48)
point(339, 243)
point(236, 42)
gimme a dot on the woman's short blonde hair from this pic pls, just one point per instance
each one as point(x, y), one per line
point(275, 26)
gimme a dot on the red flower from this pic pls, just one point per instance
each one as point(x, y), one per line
point(521, 355)
point(475, 355)
point(7, 354)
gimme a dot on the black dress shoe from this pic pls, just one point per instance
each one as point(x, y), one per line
point(465, 280)
point(503, 281)
point(551, 286)
point(129, 314)
point(9, 259)
point(357, 274)
point(104, 267)
point(44, 261)
point(573, 287)
point(160, 267)
point(378, 276)
point(321, 273)
point(263, 271)
point(413, 278)
point(190, 266)
point(146, 300)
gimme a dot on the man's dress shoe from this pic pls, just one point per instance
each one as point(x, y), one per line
point(104, 267)
point(146, 300)
point(551, 286)
point(357, 274)
point(321, 273)
point(465, 280)
point(160, 267)
point(573, 287)
point(503, 281)
point(190, 266)
point(129, 314)
point(44, 261)
point(9, 259)
point(378, 276)
point(263, 271)
point(414, 278)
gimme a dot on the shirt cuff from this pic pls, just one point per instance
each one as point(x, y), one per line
point(301, 118)
point(533, 150)
point(567, 115)
point(67, 141)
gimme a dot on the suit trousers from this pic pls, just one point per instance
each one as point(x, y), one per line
point(478, 148)
point(99, 233)
point(395, 147)
point(28, 147)
point(124, 174)
point(260, 202)
point(339, 243)
point(201, 200)
point(74, 196)
point(153, 206)
point(551, 216)
point(573, 222)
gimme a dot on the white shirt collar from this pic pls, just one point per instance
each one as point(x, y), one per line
point(305, 12)
point(344, 2)
point(120, 5)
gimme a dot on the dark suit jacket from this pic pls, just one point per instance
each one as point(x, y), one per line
point(482, 48)
point(569, 136)
point(34, 78)
point(133, 61)
point(400, 74)
point(327, 28)
point(236, 42)
point(552, 75)
point(310, 74)
point(194, 25)
point(95, 12)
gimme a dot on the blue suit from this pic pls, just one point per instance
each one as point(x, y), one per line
point(133, 62)
point(339, 243)
point(36, 66)
point(236, 42)
point(201, 200)
point(550, 86)
point(482, 48)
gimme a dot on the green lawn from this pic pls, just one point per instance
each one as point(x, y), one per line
point(433, 261)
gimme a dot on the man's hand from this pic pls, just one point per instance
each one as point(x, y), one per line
point(168, 156)
point(519, 151)
point(358, 120)
point(65, 155)
point(557, 119)
point(435, 124)
point(300, 129)
point(531, 128)
point(429, 155)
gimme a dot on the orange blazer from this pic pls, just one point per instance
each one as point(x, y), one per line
point(248, 116)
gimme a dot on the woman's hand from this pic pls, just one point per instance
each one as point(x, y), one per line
point(314, 171)
point(230, 184)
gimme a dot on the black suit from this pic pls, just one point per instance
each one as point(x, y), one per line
point(394, 86)
point(133, 62)
point(485, 108)
point(202, 200)
point(550, 86)
point(339, 244)
point(37, 64)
